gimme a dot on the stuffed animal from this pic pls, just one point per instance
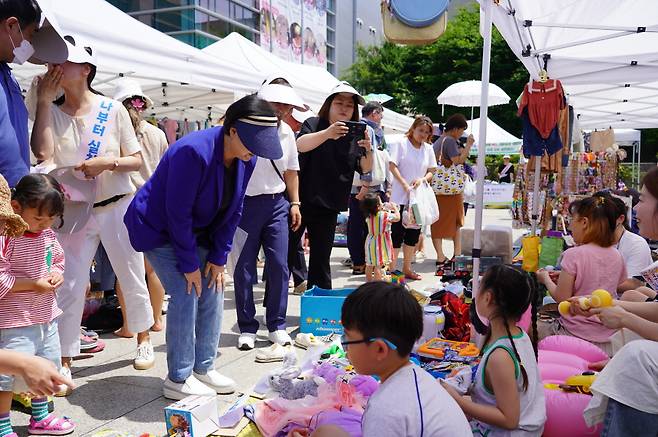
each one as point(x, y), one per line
point(283, 380)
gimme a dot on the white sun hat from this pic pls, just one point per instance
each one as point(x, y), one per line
point(49, 46)
point(77, 52)
point(345, 87)
point(302, 116)
point(275, 93)
point(128, 88)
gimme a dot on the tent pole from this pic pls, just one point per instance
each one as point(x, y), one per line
point(471, 113)
point(639, 162)
point(482, 142)
point(535, 195)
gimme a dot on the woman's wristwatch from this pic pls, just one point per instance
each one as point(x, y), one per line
point(295, 204)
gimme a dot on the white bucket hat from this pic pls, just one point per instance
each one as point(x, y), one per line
point(77, 52)
point(128, 88)
point(345, 87)
point(275, 93)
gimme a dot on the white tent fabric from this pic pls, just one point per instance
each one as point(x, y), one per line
point(499, 141)
point(605, 53)
point(312, 83)
point(183, 81)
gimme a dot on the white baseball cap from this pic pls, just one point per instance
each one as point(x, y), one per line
point(128, 88)
point(506, 157)
point(345, 87)
point(302, 116)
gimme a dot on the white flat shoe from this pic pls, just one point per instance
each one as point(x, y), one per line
point(222, 385)
point(273, 354)
point(280, 337)
point(191, 386)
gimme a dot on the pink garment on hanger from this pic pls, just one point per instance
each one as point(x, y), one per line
point(170, 128)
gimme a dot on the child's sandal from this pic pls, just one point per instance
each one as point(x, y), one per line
point(51, 425)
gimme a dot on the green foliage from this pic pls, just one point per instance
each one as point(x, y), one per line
point(416, 75)
point(625, 173)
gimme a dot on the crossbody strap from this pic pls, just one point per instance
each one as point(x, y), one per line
point(276, 169)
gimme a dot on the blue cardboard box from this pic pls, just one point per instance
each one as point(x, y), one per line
point(320, 313)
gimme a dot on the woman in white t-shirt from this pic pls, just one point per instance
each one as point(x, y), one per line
point(412, 162)
point(94, 136)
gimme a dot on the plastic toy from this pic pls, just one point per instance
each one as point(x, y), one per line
point(397, 277)
point(440, 349)
point(560, 358)
point(579, 383)
point(599, 298)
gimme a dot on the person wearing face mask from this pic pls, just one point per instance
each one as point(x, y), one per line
point(266, 217)
point(327, 160)
point(19, 20)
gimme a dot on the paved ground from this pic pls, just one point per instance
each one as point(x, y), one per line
point(110, 394)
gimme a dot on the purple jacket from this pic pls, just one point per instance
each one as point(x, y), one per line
point(184, 194)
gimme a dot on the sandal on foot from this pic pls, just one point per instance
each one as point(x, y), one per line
point(51, 425)
point(359, 270)
point(412, 276)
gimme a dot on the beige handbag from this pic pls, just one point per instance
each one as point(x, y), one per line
point(400, 33)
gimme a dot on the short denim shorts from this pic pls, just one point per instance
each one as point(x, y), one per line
point(36, 340)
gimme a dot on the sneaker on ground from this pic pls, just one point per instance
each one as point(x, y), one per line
point(65, 390)
point(280, 337)
point(347, 262)
point(87, 343)
point(223, 385)
point(87, 333)
point(145, 358)
point(246, 341)
point(191, 386)
point(300, 289)
point(273, 354)
point(306, 341)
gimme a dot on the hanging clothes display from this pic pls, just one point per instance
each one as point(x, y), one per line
point(539, 110)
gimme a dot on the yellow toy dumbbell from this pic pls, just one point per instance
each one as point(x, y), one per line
point(599, 298)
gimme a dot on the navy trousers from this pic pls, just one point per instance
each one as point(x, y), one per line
point(265, 220)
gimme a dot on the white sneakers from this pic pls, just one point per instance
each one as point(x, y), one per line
point(272, 354)
point(191, 386)
point(222, 385)
point(280, 337)
point(209, 384)
point(145, 358)
point(246, 341)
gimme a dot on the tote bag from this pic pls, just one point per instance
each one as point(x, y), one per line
point(449, 178)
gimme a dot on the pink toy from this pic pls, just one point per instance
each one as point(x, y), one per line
point(559, 358)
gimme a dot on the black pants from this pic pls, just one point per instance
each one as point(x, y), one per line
point(321, 226)
point(296, 260)
point(400, 234)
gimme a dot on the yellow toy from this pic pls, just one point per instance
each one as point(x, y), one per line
point(599, 298)
point(579, 383)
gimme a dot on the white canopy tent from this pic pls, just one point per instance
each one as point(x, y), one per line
point(183, 81)
point(499, 141)
point(312, 83)
point(605, 53)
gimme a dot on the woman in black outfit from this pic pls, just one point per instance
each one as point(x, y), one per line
point(327, 162)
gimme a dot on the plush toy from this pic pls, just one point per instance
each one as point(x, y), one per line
point(283, 380)
point(600, 298)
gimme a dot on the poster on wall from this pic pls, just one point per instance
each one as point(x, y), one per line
point(315, 32)
point(295, 30)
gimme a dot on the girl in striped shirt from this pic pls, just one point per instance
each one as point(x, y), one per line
point(31, 271)
point(379, 246)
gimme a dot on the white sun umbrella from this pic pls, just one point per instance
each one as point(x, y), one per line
point(468, 94)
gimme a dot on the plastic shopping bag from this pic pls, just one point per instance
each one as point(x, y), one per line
point(551, 249)
point(410, 215)
point(427, 206)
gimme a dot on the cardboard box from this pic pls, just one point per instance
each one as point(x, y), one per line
point(194, 416)
point(321, 309)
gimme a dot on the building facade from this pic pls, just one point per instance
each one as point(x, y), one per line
point(202, 22)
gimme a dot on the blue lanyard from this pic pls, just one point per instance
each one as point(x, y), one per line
point(420, 406)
